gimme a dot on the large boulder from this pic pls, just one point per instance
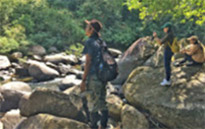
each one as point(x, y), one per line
point(37, 50)
point(61, 58)
point(114, 104)
point(43, 100)
point(115, 52)
point(157, 59)
point(69, 81)
point(17, 86)
point(4, 62)
point(134, 56)
point(9, 100)
point(45, 121)
point(133, 119)
point(41, 72)
point(11, 119)
point(179, 106)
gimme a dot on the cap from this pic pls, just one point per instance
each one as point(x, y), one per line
point(168, 24)
point(97, 25)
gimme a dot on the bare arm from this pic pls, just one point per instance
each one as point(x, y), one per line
point(87, 66)
point(86, 71)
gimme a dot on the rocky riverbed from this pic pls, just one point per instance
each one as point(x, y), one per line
point(42, 91)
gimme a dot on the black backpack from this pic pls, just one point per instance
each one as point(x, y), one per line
point(107, 68)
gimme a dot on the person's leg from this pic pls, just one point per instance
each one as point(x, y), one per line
point(104, 118)
point(96, 100)
point(167, 61)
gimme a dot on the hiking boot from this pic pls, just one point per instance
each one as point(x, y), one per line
point(165, 83)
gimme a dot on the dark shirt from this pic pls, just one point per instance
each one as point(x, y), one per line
point(92, 48)
point(168, 38)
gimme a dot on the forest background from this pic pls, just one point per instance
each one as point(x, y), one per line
point(60, 23)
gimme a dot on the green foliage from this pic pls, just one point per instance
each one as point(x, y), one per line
point(60, 23)
point(75, 49)
point(190, 10)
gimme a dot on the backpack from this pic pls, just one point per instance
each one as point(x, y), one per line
point(203, 48)
point(107, 69)
point(175, 46)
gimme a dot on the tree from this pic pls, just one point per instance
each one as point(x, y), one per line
point(188, 10)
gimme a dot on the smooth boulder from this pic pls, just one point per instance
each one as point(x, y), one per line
point(4, 62)
point(179, 106)
point(69, 81)
point(17, 86)
point(41, 72)
point(114, 104)
point(134, 56)
point(46, 121)
point(11, 119)
point(43, 100)
point(133, 119)
point(61, 58)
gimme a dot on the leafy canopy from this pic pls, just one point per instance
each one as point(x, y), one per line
point(190, 10)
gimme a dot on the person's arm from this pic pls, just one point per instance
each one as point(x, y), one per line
point(86, 71)
point(156, 38)
point(192, 50)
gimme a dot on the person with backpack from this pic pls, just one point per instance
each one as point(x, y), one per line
point(92, 87)
point(194, 54)
point(167, 40)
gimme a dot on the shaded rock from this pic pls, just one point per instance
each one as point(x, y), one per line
point(134, 56)
point(4, 62)
point(17, 86)
point(114, 104)
point(76, 72)
point(52, 102)
point(64, 69)
point(44, 121)
point(15, 56)
point(37, 50)
point(68, 82)
point(11, 119)
point(10, 100)
point(179, 106)
point(115, 52)
point(52, 49)
point(157, 59)
point(22, 72)
point(61, 58)
point(41, 72)
point(133, 119)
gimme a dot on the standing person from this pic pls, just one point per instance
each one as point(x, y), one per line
point(166, 40)
point(94, 89)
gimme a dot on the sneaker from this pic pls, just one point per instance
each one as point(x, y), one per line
point(165, 83)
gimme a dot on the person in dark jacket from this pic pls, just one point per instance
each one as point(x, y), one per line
point(166, 40)
point(93, 89)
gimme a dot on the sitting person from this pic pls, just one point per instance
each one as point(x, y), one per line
point(193, 53)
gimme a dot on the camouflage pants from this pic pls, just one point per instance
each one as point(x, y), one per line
point(95, 94)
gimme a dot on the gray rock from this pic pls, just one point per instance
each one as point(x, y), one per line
point(11, 119)
point(133, 119)
point(157, 59)
point(45, 121)
point(114, 104)
point(134, 56)
point(4, 62)
point(10, 100)
point(64, 69)
point(115, 52)
point(61, 58)
point(179, 106)
point(68, 82)
point(16, 86)
point(37, 50)
point(43, 100)
point(41, 72)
